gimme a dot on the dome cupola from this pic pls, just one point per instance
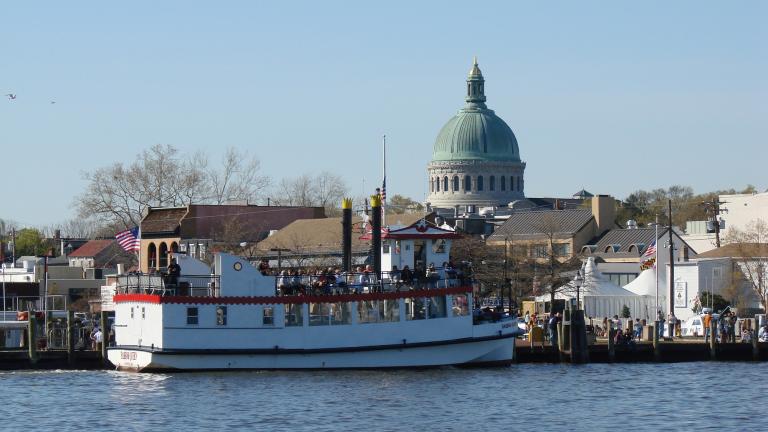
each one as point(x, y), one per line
point(476, 132)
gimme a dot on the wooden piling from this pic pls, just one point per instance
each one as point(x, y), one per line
point(611, 347)
point(712, 340)
point(32, 337)
point(559, 346)
point(104, 336)
point(656, 345)
point(755, 346)
point(70, 338)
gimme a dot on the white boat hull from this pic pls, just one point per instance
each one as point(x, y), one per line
point(472, 352)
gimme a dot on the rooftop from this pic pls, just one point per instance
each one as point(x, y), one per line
point(535, 223)
point(92, 248)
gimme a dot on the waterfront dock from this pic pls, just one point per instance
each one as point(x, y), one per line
point(680, 350)
point(19, 359)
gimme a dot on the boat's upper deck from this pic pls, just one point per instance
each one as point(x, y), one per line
point(297, 288)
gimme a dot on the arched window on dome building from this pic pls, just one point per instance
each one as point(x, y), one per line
point(445, 184)
point(492, 183)
point(503, 182)
point(467, 183)
point(512, 183)
point(437, 184)
point(479, 183)
point(455, 183)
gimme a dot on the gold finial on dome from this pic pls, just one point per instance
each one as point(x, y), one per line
point(475, 71)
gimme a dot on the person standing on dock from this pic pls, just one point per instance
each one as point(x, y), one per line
point(706, 321)
point(660, 317)
point(552, 325)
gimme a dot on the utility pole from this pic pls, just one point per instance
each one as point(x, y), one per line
point(671, 297)
point(13, 245)
point(712, 208)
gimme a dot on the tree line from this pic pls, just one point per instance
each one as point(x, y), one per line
point(643, 206)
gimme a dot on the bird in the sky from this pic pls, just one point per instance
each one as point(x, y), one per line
point(53, 102)
point(11, 96)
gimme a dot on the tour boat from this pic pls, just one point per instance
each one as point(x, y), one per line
point(232, 316)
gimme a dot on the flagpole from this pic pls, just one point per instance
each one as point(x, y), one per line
point(384, 185)
point(139, 236)
point(656, 266)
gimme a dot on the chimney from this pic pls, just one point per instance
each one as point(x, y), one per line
point(604, 212)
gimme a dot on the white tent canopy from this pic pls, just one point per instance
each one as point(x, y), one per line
point(644, 284)
point(600, 297)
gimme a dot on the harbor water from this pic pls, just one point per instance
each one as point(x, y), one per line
point(594, 397)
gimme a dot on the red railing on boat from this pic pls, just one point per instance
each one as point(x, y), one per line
point(291, 299)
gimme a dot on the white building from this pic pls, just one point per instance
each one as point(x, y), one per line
point(739, 210)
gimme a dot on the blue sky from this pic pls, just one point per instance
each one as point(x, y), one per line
point(609, 96)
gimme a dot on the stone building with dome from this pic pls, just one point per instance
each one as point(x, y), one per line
point(476, 159)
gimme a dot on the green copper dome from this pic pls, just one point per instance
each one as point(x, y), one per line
point(476, 132)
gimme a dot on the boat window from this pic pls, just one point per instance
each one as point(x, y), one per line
point(269, 316)
point(460, 306)
point(369, 311)
point(221, 315)
point(143, 313)
point(131, 313)
point(385, 247)
point(319, 314)
point(329, 314)
point(390, 310)
point(414, 308)
point(437, 307)
point(341, 313)
point(293, 316)
point(191, 316)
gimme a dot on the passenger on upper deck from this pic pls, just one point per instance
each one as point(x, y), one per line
point(174, 271)
point(264, 266)
point(394, 278)
point(432, 275)
point(406, 276)
point(284, 282)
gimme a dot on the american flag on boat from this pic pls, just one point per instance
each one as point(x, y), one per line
point(129, 239)
point(648, 260)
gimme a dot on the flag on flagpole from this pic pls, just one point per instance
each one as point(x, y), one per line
point(129, 239)
point(648, 260)
point(384, 189)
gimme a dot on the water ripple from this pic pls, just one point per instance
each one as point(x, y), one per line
point(681, 396)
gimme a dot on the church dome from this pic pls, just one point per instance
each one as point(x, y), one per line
point(476, 132)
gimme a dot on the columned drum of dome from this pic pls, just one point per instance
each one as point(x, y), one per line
point(478, 147)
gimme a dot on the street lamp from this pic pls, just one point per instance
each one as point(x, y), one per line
point(578, 281)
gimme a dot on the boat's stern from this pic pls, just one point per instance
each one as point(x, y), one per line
point(131, 360)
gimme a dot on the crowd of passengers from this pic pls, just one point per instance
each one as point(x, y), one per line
point(363, 279)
